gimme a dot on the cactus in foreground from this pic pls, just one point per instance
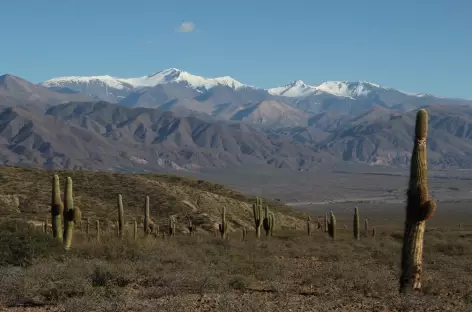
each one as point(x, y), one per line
point(332, 226)
point(223, 226)
point(72, 214)
point(373, 232)
point(57, 209)
point(308, 225)
point(419, 208)
point(366, 227)
point(244, 233)
point(121, 216)
point(356, 227)
point(257, 211)
point(147, 218)
point(135, 230)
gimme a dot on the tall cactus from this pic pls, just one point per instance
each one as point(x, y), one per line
point(72, 214)
point(121, 216)
point(366, 227)
point(419, 208)
point(135, 230)
point(257, 211)
point(356, 227)
point(147, 218)
point(332, 226)
point(223, 226)
point(57, 209)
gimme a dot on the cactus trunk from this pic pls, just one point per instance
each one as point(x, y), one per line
point(308, 226)
point(71, 214)
point(419, 209)
point(257, 211)
point(147, 218)
point(332, 226)
point(121, 216)
point(98, 230)
point(57, 209)
point(135, 230)
point(223, 226)
point(356, 227)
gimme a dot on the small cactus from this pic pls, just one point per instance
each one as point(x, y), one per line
point(257, 211)
point(332, 226)
point(244, 230)
point(419, 209)
point(121, 216)
point(57, 209)
point(366, 227)
point(356, 227)
point(72, 214)
point(223, 226)
point(171, 227)
point(373, 232)
point(98, 230)
point(135, 230)
point(147, 218)
point(308, 225)
point(326, 223)
point(191, 227)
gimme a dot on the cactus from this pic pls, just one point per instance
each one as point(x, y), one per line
point(147, 219)
point(121, 216)
point(191, 227)
point(223, 226)
point(356, 227)
point(366, 227)
point(135, 230)
point(257, 211)
point(87, 227)
point(419, 208)
point(244, 233)
point(171, 227)
point(308, 226)
point(57, 209)
point(373, 232)
point(332, 226)
point(326, 223)
point(72, 214)
point(98, 230)
point(268, 222)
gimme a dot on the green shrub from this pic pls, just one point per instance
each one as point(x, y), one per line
point(21, 244)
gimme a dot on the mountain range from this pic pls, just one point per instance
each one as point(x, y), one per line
point(173, 119)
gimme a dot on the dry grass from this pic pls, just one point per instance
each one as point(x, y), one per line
point(289, 272)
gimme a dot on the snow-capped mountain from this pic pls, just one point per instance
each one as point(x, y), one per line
point(114, 89)
point(337, 88)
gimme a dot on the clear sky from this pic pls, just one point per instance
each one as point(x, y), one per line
point(411, 45)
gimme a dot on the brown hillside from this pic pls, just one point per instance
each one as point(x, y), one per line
point(26, 193)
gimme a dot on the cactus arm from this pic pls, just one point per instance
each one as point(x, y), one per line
point(121, 216)
point(72, 214)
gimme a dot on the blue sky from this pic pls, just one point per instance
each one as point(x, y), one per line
point(414, 45)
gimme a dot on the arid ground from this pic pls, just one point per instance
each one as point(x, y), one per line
point(288, 272)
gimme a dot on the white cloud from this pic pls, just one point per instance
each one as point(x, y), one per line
point(187, 27)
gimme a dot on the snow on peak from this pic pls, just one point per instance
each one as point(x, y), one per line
point(296, 88)
point(176, 75)
point(170, 75)
point(103, 80)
